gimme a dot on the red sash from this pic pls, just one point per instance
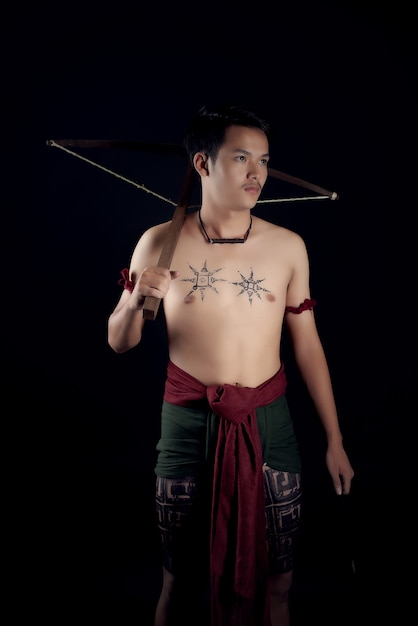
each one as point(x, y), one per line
point(238, 550)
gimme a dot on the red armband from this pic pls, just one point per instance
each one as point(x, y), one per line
point(306, 305)
point(125, 281)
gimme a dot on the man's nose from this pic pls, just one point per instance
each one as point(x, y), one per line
point(255, 171)
point(252, 171)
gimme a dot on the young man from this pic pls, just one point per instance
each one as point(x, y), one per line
point(228, 487)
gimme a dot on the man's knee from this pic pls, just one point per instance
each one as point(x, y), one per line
point(280, 584)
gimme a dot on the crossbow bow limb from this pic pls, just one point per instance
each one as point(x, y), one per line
point(151, 304)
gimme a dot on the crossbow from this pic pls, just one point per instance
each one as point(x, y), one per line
point(151, 303)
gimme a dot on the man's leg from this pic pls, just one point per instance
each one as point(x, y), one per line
point(283, 499)
point(184, 539)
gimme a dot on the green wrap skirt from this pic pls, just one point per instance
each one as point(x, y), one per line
point(188, 439)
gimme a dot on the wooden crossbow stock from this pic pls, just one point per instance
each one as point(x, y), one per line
point(151, 303)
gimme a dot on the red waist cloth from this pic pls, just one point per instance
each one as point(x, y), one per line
point(238, 549)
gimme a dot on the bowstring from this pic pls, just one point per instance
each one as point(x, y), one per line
point(157, 195)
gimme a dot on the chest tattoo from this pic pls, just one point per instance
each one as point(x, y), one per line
point(205, 279)
point(202, 280)
point(251, 286)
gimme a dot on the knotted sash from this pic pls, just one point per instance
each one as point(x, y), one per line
point(238, 549)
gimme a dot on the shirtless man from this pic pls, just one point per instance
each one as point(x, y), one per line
point(228, 470)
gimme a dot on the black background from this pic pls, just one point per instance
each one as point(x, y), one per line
point(338, 82)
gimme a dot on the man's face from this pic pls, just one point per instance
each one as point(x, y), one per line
point(240, 170)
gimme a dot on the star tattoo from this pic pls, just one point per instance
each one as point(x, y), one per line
point(251, 286)
point(203, 280)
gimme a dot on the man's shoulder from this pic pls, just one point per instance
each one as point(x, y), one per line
point(277, 230)
point(155, 233)
point(156, 229)
point(149, 244)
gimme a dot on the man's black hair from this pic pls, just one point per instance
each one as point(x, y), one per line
point(206, 131)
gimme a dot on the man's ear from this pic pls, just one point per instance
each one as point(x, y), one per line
point(200, 161)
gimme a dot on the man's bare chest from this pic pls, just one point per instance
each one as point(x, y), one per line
point(213, 273)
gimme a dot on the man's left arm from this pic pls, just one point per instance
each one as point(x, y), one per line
point(312, 364)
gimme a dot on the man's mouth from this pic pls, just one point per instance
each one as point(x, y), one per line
point(254, 188)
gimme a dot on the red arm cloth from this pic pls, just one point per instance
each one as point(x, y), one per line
point(124, 281)
point(306, 305)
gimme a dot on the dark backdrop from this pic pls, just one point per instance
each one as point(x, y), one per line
point(339, 84)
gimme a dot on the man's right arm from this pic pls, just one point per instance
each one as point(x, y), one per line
point(124, 328)
point(146, 278)
point(126, 322)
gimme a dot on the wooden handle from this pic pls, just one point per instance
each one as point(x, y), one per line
point(302, 183)
point(151, 304)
